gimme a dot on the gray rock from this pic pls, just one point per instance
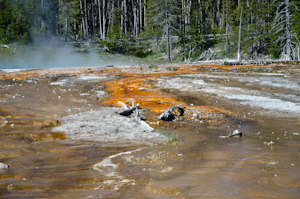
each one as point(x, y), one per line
point(3, 166)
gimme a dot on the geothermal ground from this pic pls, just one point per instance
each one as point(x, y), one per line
point(61, 137)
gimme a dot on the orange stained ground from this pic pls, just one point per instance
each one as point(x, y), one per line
point(134, 88)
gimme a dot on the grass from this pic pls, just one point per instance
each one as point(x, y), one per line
point(168, 68)
point(153, 56)
point(226, 64)
point(152, 66)
point(260, 70)
point(267, 168)
point(170, 137)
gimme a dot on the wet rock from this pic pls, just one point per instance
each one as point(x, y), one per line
point(170, 114)
point(3, 166)
point(235, 134)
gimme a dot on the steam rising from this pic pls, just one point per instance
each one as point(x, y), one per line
point(28, 57)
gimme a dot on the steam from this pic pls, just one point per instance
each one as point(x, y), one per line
point(58, 56)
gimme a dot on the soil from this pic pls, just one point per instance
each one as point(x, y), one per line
point(61, 137)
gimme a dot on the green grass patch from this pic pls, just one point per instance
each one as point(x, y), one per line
point(170, 137)
point(168, 68)
point(260, 70)
point(152, 66)
point(153, 56)
point(226, 64)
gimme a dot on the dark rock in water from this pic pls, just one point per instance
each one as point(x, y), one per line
point(3, 166)
point(168, 115)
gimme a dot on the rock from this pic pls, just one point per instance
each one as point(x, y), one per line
point(168, 115)
point(3, 166)
point(235, 134)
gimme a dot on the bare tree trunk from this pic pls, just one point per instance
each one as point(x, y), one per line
point(86, 24)
point(141, 16)
point(289, 50)
point(157, 45)
point(66, 33)
point(83, 22)
point(125, 17)
point(145, 18)
point(135, 32)
point(168, 34)
point(104, 20)
point(298, 53)
point(227, 32)
point(93, 14)
point(122, 18)
point(110, 15)
point(239, 44)
point(43, 18)
point(100, 21)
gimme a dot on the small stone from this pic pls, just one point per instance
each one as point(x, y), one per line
point(3, 166)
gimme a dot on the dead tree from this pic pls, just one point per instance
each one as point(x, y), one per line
point(239, 44)
point(282, 24)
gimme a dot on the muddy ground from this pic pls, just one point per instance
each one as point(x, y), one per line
point(61, 137)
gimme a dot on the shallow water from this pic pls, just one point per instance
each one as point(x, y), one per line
point(44, 164)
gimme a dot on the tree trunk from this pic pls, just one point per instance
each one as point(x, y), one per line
point(83, 22)
point(104, 20)
point(100, 21)
point(93, 16)
point(66, 33)
point(145, 18)
point(168, 34)
point(289, 50)
point(227, 27)
point(125, 17)
point(122, 18)
point(157, 45)
point(168, 44)
point(239, 44)
point(134, 19)
point(86, 23)
point(141, 16)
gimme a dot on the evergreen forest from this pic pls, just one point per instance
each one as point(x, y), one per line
point(191, 29)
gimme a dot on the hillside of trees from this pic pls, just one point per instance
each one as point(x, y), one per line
point(237, 29)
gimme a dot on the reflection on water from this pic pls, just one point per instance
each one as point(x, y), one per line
point(44, 164)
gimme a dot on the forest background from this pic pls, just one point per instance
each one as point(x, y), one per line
point(181, 30)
